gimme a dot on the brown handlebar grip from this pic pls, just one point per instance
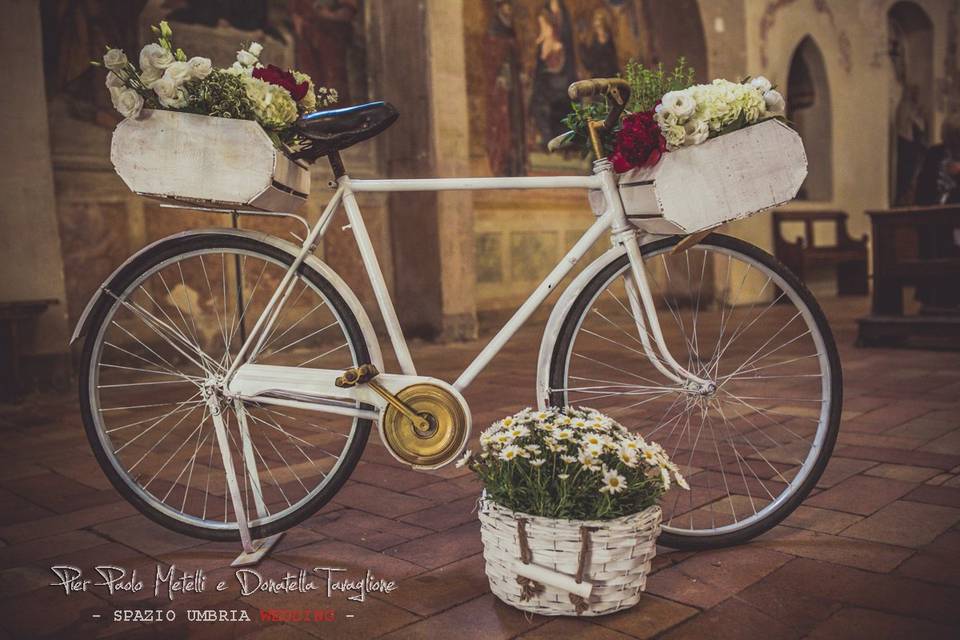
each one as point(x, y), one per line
point(599, 86)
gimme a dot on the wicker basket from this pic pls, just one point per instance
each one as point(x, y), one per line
point(611, 558)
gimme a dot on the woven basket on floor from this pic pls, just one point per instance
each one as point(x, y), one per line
point(613, 555)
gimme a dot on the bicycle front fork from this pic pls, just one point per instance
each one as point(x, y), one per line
point(638, 290)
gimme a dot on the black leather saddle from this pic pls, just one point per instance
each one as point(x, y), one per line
point(335, 129)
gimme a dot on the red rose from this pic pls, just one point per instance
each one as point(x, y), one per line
point(639, 143)
point(276, 75)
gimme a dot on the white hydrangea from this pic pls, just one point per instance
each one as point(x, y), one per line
point(272, 105)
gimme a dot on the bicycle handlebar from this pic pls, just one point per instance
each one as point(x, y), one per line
point(616, 88)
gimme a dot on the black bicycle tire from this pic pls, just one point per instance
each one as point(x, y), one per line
point(558, 369)
point(170, 248)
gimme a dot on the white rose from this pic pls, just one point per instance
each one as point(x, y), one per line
point(170, 94)
point(153, 56)
point(115, 59)
point(128, 102)
point(114, 81)
point(697, 132)
point(255, 48)
point(178, 72)
point(246, 58)
point(679, 103)
point(776, 105)
point(200, 68)
point(760, 83)
point(149, 76)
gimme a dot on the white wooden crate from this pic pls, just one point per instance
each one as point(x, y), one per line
point(724, 179)
point(192, 159)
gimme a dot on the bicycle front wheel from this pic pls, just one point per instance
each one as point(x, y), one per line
point(753, 448)
point(170, 325)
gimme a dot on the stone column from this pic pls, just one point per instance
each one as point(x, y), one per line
point(31, 266)
point(420, 67)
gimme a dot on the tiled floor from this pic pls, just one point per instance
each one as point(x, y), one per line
point(875, 553)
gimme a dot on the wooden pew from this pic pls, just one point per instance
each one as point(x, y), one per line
point(848, 256)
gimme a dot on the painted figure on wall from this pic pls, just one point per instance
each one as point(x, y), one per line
point(324, 30)
point(554, 71)
point(599, 52)
point(506, 139)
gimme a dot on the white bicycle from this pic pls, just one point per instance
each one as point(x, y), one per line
point(230, 379)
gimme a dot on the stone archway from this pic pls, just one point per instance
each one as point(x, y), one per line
point(808, 100)
point(910, 37)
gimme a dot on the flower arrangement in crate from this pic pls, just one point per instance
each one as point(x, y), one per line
point(570, 515)
point(247, 90)
point(667, 111)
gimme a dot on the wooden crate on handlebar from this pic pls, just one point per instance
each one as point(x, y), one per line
point(724, 179)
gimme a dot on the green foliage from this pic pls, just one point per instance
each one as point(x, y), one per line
point(647, 86)
point(577, 121)
point(221, 95)
point(570, 463)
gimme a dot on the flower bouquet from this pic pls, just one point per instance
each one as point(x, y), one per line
point(569, 517)
point(194, 134)
point(247, 90)
point(695, 156)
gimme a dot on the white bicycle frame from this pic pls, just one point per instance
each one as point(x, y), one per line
point(315, 389)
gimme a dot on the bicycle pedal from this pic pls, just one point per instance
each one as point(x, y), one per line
point(356, 375)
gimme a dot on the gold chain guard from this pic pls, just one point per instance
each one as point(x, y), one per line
point(447, 426)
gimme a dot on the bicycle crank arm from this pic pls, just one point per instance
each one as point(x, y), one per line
point(365, 374)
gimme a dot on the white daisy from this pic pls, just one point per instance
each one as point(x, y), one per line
point(510, 452)
point(613, 482)
point(563, 434)
point(519, 432)
point(537, 462)
point(628, 457)
point(568, 459)
point(563, 476)
point(465, 459)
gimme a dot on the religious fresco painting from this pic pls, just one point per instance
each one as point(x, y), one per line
point(523, 54)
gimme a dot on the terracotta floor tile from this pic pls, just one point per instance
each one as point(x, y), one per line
point(23, 553)
point(365, 529)
point(907, 524)
point(648, 618)
point(441, 548)
point(60, 523)
point(483, 618)
point(822, 520)
point(864, 624)
point(948, 444)
point(948, 496)
point(835, 549)
point(902, 472)
point(855, 587)
point(899, 456)
point(580, 628)
point(440, 589)
point(447, 515)
point(381, 502)
point(734, 620)
point(840, 468)
point(337, 554)
point(862, 495)
point(800, 609)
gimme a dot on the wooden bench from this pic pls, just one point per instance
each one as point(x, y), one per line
point(848, 256)
point(14, 315)
point(914, 247)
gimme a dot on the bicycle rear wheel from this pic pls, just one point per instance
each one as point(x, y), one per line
point(753, 449)
point(171, 322)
